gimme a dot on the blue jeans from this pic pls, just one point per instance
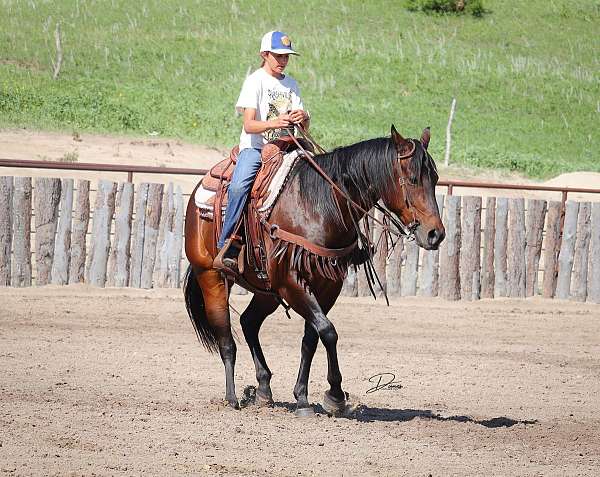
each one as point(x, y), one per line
point(246, 168)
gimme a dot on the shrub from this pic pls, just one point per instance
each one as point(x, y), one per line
point(69, 157)
point(474, 7)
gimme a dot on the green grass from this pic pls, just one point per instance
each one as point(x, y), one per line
point(525, 75)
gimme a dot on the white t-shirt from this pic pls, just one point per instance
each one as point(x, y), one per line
point(270, 97)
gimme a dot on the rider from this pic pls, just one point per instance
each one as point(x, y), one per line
point(270, 103)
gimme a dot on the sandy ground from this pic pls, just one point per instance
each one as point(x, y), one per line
point(113, 382)
point(160, 152)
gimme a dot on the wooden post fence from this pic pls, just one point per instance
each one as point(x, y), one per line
point(6, 229)
point(62, 246)
point(451, 275)
point(500, 247)
point(594, 272)
point(394, 269)
point(567, 251)
point(582, 248)
point(21, 263)
point(101, 226)
point(536, 214)
point(516, 264)
point(487, 265)
point(119, 261)
point(151, 223)
point(81, 220)
point(552, 248)
point(137, 247)
point(135, 239)
point(47, 197)
point(471, 242)
point(429, 284)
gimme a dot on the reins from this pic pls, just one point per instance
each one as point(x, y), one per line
point(366, 243)
point(406, 230)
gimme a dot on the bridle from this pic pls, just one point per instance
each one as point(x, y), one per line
point(405, 230)
point(404, 182)
point(366, 244)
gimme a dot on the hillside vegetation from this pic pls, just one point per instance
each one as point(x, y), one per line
point(525, 75)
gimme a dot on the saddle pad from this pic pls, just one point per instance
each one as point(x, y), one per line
point(279, 180)
point(204, 198)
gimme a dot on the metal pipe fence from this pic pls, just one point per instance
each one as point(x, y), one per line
point(131, 169)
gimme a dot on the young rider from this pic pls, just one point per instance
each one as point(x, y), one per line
point(270, 103)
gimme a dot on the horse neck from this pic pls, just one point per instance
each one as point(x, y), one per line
point(364, 201)
point(350, 214)
point(354, 201)
point(350, 206)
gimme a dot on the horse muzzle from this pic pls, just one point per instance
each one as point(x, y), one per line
point(435, 237)
point(430, 240)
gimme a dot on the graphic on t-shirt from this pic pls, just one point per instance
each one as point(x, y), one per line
point(280, 102)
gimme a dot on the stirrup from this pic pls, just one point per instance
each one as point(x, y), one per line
point(227, 260)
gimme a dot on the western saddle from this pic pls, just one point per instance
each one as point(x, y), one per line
point(218, 179)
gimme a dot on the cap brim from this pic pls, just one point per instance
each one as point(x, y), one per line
point(282, 51)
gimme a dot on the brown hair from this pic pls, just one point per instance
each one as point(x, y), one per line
point(262, 63)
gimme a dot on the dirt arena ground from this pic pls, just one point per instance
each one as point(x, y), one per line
point(107, 382)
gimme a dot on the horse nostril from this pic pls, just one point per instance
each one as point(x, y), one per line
point(435, 237)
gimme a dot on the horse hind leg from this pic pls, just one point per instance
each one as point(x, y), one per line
point(208, 308)
point(251, 320)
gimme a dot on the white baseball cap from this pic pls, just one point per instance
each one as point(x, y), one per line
point(277, 42)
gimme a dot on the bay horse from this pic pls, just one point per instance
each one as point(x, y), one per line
point(318, 204)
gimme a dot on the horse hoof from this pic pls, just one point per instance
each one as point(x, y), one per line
point(304, 412)
point(333, 406)
point(234, 404)
point(263, 401)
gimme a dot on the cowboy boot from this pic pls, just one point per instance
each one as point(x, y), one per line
point(227, 259)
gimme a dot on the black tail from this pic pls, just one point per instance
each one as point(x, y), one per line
point(194, 303)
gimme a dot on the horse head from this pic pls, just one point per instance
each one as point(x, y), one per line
point(412, 198)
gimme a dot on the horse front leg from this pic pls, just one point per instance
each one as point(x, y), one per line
point(309, 346)
point(309, 308)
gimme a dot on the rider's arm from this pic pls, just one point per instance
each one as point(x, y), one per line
point(253, 126)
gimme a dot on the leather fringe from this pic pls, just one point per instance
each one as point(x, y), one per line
point(306, 263)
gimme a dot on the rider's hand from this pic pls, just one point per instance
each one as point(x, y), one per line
point(298, 116)
point(281, 121)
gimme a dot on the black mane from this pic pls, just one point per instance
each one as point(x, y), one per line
point(364, 170)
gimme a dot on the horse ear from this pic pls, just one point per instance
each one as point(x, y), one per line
point(425, 137)
point(397, 137)
point(402, 145)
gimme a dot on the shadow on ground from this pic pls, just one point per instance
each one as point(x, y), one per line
point(372, 414)
point(364, 413)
